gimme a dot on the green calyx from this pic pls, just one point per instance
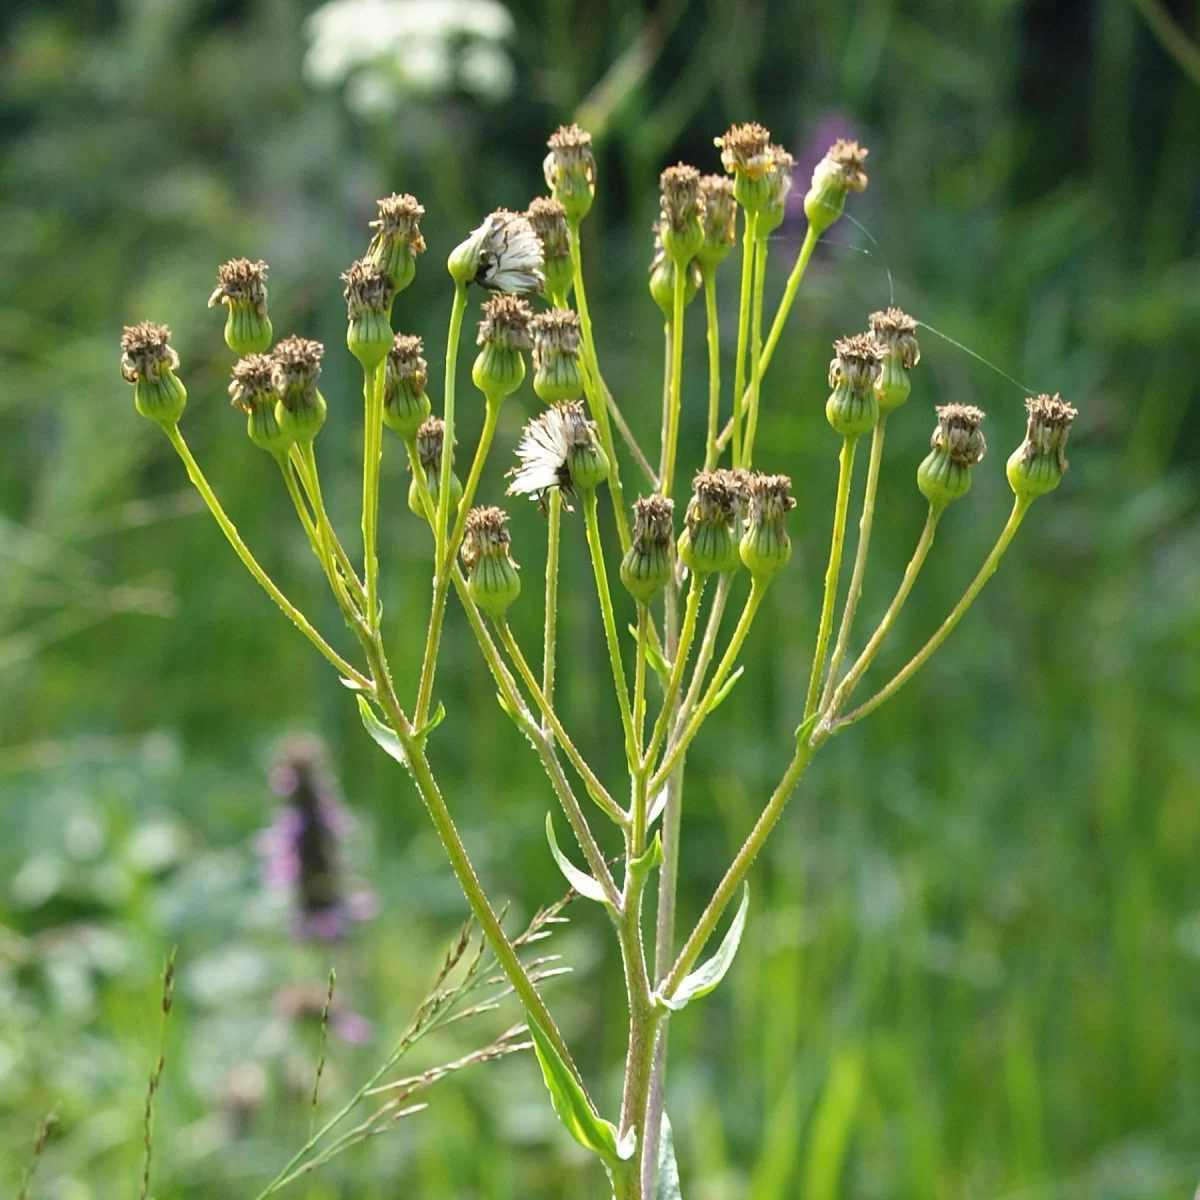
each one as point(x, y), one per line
point(942, 478)
point(369, 338)
point(558, 377)
point(588, 465)
point(853, 408)
point(162, 399)
point(662, 283)
point(433, 483)
point(149, 362)
point(301, 422)
point(247, 331)
point(263, 429)
point(893, 386)
point(498, 370)
point(405, 409)
point(648, 565)
point(957, 445)
point(1039, 462)
point(765, 546)
point(708, 548)
point(492, 579)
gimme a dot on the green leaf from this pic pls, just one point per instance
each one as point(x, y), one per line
point(384, 737)
point(668, 1172)
point(571, 1104)
point(438, 717)
point(583, 883)
point(706, 976)
point(658, 664)
point(352, 684)
point(649, 860)
point(804, 732)
point(726, 688)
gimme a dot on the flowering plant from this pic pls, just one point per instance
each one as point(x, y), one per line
point(733, 538)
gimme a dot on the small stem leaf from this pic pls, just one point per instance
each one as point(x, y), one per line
point(656, 808)
point(706, 976)
point(804, 732)
point(652, 858)
point(583, 883)
point(352, 684)
point(438, 717)
point(574, 1109)
point(658, 664)
point(668, 1172)
point(508, 708)
point(385, 738)
point(726, 688)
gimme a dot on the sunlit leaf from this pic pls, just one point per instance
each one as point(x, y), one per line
point(583, 883)
point(706, 976)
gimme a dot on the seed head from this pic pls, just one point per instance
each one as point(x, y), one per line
point(146, 352)
point(570, 170)
point(558, 374)
point(492, 579)
point(853, 407)
point(296, 367)
point(646, 566)
point(503, 255)
point(958, 433)
point(368, 290)
point(765, 547)
point(746, 150)
point(720, 217)
point(241, 281)
point(397, 239)
point(836, 175)
point(251, 385)
point(1039, 462)
point(549, 221)
point(506, 324)
point(430, 438)
point(405, 373)
point(485, 533)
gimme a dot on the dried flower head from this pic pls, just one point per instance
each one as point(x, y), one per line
point(765, 547)
point(405, 373)
point(653, 520)
point(146, 352)
point(836, 175)
point(296, 367)
point(485, 533)
point(746, 150)
point(570, 170)
point(1039, 462)
point(680, 196)
point(856, 360)
point(848, 159)
point(720, 219)
point(770, 497)
point(368, 290)
point(252, 385)
point(662, 276)
point(241, 281)
point(397, 239)
point(895, 331)
point(853, 406)
point(492, 579)
point(778, 185)
point(555, 332)
point(503, 255)
point(430, 438)
point(558, 449)
point(549, 220)
point(405, 363)
point(557, 371)
point(506, 323)
point(716, 496)
point(958, 433)
point(647, 566)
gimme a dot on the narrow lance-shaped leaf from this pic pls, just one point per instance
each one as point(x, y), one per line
point(706, 976)
point(583, 883)
point(668, 1172)
point(385, 738)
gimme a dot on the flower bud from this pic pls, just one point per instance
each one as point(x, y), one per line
point(430, 439)
point(369, 294)
point(647, 565)
point(295, 369)
point(557, 371)
point(1037, 465)
point(853, 408)
point(492, 579)
point(766, 547)
point(503, 255)
point(252, 390)
point(570, 170)
point(958, 445)
point(405, 404)
point(720, 220)
point(708, 544)
point(503, 333)
point(242, 288)
point(149, 362)
point(549, 221)
point(779, 179)
point(662, 278)
point(895, 331)
point(838, 174)
point(682, 212)
point(559, 450)
point(397, 239)
point(746, 154)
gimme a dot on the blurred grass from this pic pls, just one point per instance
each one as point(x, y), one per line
point(973, 962)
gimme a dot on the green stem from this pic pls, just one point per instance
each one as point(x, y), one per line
point(708, 646)
point(304, 460)
point(674, 400)
point(758, 589)
point(789, 296)
point(739, 365)
point(610, 623)
point(595, 390)
point(1019, 509)
point(550, 639)
point(251, 563)
point(756, 367)
point(447, 466)
point(687, 633)
point(841, 505)
point(729, 885)
point(639, 677)
point(860, 559)
point(372, 456)
point(711, 454)
point(300, 505)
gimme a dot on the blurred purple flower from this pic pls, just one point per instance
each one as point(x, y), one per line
point(828, 127)
point(302, 847)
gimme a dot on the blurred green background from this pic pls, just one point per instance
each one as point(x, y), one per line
point(972, 967)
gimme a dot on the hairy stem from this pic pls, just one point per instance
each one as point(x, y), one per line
point(458, 308)
point(756, 367)
point(673, 398)
point(372, 457)
point(550, 638)
point(739, 363)
point(711, 454)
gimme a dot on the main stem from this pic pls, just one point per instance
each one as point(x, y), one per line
point(841, 505)
point(711, 453)
point(739, 365)
point(1019, 509)
point(756, 366)
point(860, 559)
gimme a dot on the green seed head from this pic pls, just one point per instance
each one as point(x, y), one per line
point(295, 369)
point(708, 543)
point(503, 333)
point(720, 220)
point(648, 563)
point(662, 278)
point(405, 372)
point(570, 170)
point(549, 221)
point(149, 362)
point(1038, 464)
point(242, 288)
point(746, 154)
point(252, 391)
point(853, 407)
point(957, 446)
point(397, 240)
point(779, 177)
point(430, 439)
point(557, 371)
point(765, 546)
point(895, 331)
point(838, 174)
point(682, 218)
point(492, 579)
point(369, 294)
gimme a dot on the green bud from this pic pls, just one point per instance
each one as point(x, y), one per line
point(492, 579)
point(648, 565)
point(838, 174)
point(549, 221)
point(779, 177)
point(397, 240)
point(405, 372)
point(765, 546)
point(242, 288)
point(682, 219)
point(853, 408)
point(369, 294)
point(295, 369)
point(708, 544)
point(720, 220)
point(430, 439)
point(557, 371)
point(252, 390)
point(746, 153)
point(503, 333)
point(1038, 464)
point(570, 170)
point(662, 279)
point(895, 331)
point(958, 445)
point(149, 362)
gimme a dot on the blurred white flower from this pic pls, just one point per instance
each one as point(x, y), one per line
point(382, 50)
